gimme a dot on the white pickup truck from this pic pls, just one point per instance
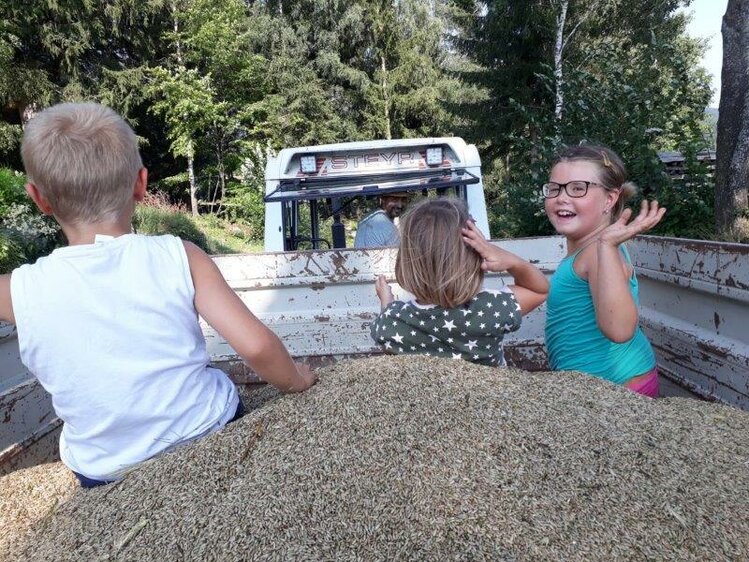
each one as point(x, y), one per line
point(694, 294)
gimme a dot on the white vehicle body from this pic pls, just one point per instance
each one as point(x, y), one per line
point(364, 169)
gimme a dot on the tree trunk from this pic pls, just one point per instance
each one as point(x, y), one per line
point(383, 68)
point(191, 176)
point(558, 74)
point(732, 166)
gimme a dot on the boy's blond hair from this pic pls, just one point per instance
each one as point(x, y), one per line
point(83, 158)
point(433, 262)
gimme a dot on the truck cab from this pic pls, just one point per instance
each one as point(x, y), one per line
point(300, 182)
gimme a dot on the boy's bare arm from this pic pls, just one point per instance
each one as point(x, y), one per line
point(6, 308)
point(255, 343)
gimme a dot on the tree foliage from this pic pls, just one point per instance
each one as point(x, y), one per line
point(212, 85)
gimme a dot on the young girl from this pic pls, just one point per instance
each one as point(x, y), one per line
point(591, 313)
point(441, 260)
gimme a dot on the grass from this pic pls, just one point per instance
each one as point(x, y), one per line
point(223, 237)
point(214, 235)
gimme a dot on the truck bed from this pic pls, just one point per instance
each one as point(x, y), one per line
point(694, 300)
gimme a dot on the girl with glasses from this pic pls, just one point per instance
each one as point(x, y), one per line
point(441, 261)
point(591, 313)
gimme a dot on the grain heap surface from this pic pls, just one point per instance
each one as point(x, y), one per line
point(403, 458)
point(27, 496)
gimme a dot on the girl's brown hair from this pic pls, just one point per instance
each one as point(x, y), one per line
point(433, 263)
point(611, 170)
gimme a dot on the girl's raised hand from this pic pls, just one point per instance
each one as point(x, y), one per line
point(384, 292)
point(495, 258)
point(619, 231)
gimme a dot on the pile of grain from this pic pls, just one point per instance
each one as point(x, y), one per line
point(402, 458)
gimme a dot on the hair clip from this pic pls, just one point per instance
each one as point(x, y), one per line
point(606, 161)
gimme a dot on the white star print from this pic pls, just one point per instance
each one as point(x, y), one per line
point(480, 313)
point(449, 326)
point(398, 338)
point(388, 345)
point(466, 311)
point(413, 332)
point(457, 356)
point(471, 344)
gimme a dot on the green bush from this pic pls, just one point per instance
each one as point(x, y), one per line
point(12, 190)
point(26, 235)
point(244, 204)
point(11, 254)
point(158, 220)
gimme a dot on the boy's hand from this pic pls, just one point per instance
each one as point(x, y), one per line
point(619, 231)
point(384, 292)
point(307, 374)
point(495, 258)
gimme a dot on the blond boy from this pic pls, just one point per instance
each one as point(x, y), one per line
point(109, 324)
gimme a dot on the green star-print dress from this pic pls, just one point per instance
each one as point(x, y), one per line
point(473, 331)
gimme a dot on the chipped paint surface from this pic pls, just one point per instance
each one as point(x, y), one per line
point(694, 304)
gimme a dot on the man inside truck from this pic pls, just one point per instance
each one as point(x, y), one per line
point(378, 228)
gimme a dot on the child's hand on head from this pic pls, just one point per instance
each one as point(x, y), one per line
point(619, 231)
point(495, 258)
point(384, 292)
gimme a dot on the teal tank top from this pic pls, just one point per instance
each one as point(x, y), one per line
point(573, 340)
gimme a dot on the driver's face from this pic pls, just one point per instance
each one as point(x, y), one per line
point(393, 206)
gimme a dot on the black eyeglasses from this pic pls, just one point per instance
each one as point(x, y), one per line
point(577, 188)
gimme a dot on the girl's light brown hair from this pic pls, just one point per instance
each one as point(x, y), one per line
point(433, 263)
point(611, 170)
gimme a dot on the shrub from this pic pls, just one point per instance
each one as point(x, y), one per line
point(25, 235)
point(12, 191)
point(157, 216)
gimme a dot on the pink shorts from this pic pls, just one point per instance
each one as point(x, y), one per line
point(646, 384)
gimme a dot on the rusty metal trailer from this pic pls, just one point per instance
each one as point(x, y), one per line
point(694, 302)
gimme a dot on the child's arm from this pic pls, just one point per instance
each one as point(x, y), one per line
point(531, 286)
point(616, 311)
point(255, 343)
point(6, 308)
point(384, 292)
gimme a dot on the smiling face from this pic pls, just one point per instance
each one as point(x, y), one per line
point(393, 205)
point(578, 218)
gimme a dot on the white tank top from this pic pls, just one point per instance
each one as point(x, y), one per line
point(111, 332)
